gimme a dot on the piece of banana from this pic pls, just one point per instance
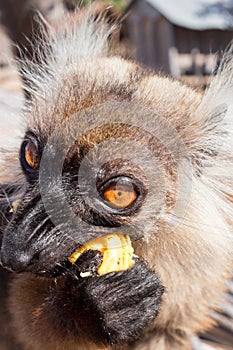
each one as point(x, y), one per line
point(116, 250)
point(15, 205)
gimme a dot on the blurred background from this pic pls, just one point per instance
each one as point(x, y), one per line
point(179, 37)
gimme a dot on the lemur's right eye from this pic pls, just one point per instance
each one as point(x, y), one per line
point(120, 195)
point(30, 157)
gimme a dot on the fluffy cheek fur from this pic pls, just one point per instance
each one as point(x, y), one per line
point(193, 288)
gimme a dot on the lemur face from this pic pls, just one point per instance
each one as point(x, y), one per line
point(91, 176)
point(111, 148)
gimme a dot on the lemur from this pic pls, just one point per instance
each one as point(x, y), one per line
point(113, 150)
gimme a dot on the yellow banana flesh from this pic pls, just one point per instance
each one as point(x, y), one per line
point(116, 250)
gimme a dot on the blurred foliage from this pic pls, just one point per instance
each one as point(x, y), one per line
point(120, 4)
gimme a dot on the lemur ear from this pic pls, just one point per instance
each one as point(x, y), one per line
point(212, 149)
point(215, 140)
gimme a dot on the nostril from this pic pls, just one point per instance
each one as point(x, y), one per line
point(17, 262)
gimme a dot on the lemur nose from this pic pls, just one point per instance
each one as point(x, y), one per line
point(15, 262)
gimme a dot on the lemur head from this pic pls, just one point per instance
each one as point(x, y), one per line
point(111, 147)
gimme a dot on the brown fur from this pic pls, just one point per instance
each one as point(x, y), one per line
point(193, 260)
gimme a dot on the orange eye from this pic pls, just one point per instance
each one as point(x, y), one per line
point(120, 195)
point(31, 155)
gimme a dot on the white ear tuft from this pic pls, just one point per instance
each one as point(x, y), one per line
point(79, 38)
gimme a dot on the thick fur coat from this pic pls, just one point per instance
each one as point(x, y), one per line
point(95, 117)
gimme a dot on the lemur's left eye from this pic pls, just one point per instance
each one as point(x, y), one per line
point(30, 158)
point(120, 193)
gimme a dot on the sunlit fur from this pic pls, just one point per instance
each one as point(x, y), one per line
point(192, 261)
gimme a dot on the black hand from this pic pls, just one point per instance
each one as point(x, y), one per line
point(122, 304)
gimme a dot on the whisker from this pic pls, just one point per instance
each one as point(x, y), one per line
point(6, 197)
point(41, 224)
point(4, 216)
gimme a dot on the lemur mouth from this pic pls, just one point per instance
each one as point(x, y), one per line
point(115, 250)
point(97, 257)
point(102, 255)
